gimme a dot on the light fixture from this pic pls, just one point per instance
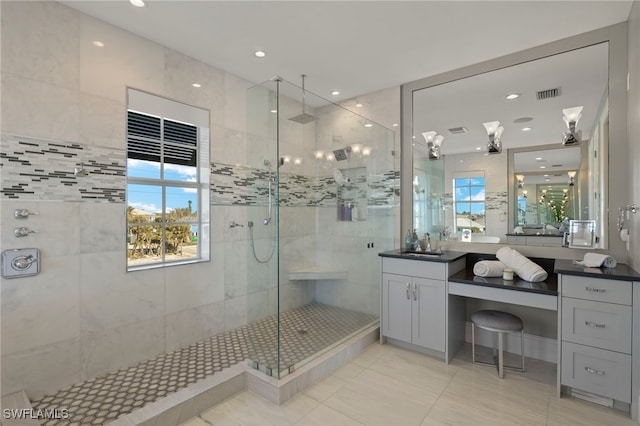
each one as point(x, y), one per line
point(520, 179)
point(478, 148)
point(434, 142)
point(318, 154)
point(524, 194)
point(571, 117)
point(358, 104)
point(297, 161)
point(335, 93)
point(527, 129)
point(286, 159)
point(395, 124)
point(366, 151)
point(512, 96)
point(260, 54)
point(197, 85)
point(356, 148)
point(137, 3)
point(274, 111)
point(329, 156)
point(368, 125)
point(494, 130)
point(572, 176)
point(98, 43)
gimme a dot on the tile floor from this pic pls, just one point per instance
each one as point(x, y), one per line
point(304, 332)
point(387, 385)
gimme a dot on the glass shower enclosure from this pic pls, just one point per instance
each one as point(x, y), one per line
point(322, 201)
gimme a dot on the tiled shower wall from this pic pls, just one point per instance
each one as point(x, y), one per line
point(84, 315)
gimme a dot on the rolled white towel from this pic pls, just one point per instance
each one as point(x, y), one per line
point(488, 268)
point(518, 230)
point(523, 267)
point(596, 260)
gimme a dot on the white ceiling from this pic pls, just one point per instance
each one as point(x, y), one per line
point(356, 47)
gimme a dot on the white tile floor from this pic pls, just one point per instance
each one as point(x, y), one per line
point(387, 385)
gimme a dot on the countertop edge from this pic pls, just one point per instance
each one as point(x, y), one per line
point(446, 257)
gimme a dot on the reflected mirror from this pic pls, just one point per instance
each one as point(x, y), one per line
point(518, 150)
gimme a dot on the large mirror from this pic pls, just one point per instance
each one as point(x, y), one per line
point(521, 177)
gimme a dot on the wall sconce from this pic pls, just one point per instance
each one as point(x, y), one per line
point(494, 130)
point(319, 155)
point(571, 117)
point(520, 179)
point(524, 194)
point(572, 175)
point(434, 142)
point(366, 151)
point(356, 148)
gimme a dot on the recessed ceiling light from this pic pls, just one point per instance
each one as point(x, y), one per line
point(395, 124)
point(260, 53)
point(546, 175)
point(547, 180)
point(462, 161)
point(368, 125)
point(538, 158)
point(275, 111)
point(98, 43)
point(478, 148)
point(543, 167)
point(137, 3)
point(527, 129)
point(512, 96)
point(335, 93)
point(359, 105)
point(197, 85)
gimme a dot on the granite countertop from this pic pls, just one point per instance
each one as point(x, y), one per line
point(535, 235)
point(549, 286)
point(620, 272)
point(446, 257)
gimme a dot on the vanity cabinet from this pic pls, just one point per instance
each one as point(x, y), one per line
point(413, 302)
point(596, 327)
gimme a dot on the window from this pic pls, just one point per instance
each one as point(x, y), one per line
point(167, 182)
point(469, 201)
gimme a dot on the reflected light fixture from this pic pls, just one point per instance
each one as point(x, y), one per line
point(366, 151)
point(571, 117)
point(318, 154)
point(137, 3)
point(520, 179)
point(572, 176)
point(524, 194)
point(356, 148)
point(434, 142)
point(494, 130)
point(259, 54)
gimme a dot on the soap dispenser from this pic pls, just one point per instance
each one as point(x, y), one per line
point(408, 243)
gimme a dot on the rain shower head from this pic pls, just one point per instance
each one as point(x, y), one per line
point(303, 118)
point(342, 154)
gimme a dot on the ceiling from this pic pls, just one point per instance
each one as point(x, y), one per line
point(356, 47)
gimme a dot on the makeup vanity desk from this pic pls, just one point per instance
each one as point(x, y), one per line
point(423, 307)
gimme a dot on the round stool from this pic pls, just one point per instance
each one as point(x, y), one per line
point(500, 323)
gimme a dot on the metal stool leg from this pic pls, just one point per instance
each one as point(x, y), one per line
point(473, 343)
point(500, 356)
point(522, 347)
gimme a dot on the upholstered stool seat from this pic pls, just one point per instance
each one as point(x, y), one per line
point(499, 323)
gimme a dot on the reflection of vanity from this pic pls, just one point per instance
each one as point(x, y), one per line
point(535, 240)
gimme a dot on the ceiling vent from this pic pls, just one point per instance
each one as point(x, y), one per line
point(547, 93)
point(457, 130)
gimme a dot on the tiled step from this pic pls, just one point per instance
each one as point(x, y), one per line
point(17, 410)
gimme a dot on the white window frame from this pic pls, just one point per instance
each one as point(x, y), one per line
point(152, 105)
point(469, 175)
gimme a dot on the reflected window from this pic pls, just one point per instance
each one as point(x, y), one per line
point(165, 191)
point(469, 203)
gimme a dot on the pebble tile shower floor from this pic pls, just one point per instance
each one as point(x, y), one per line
point(305, 331)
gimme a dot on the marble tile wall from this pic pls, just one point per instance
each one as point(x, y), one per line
point(64, 103)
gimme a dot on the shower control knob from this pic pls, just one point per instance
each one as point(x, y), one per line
point(23, 231)
point(23, 213)
point(23, 262)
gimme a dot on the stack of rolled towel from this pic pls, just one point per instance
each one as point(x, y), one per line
point(523, 267)
point(488, 268)
point(596, 260)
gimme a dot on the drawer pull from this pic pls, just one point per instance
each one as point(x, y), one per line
point(415, 287)
point(595, 324)
point(596, 290)
point(408, 295)
point(596, 372)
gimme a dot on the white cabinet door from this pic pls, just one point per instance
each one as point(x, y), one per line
point(428, 311)
point(396, 307)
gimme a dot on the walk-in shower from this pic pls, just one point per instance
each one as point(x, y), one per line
point(321, 285)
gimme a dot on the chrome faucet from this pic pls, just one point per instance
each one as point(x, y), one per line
point(428, 242)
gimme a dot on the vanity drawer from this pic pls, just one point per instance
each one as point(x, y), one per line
point(602, 372)
point(602, 325)
point(414, 268)
point(516, 239)
point(612, 291)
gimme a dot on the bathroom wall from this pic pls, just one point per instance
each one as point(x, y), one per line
point(63, 103)
point(633, 130)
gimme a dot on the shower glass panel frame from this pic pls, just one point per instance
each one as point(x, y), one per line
point(333, 183)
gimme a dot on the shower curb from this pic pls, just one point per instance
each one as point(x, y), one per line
point(181, 406)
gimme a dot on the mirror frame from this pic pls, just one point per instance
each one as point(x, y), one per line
point(616, 36)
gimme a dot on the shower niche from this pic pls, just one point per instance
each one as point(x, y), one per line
point(351, 194)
